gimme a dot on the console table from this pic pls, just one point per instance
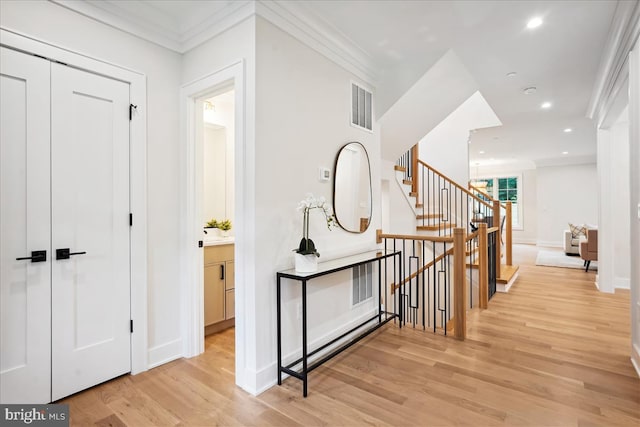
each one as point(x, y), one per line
point(363, 329)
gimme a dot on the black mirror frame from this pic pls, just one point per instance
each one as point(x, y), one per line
point(335, 170)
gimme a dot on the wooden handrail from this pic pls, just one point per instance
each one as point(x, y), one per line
point(461, 188)
point(438, 239)
point(491, 199)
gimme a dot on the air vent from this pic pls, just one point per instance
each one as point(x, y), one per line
point(362, 283)
point(360, 107)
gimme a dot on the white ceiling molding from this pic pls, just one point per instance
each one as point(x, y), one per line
point(143, 20)
point(612, 71)
point(297, 20)
point(149, 23)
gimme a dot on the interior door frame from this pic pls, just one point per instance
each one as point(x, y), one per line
point(137, 170)
point(229, 77)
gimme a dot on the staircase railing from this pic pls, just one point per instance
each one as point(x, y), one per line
point(447, 204)
point(435, 292)
point(506, 210)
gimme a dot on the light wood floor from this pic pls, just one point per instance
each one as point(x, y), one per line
point(551, 352)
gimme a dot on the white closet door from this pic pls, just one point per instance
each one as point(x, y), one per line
point(89, 213)
point(25, 292)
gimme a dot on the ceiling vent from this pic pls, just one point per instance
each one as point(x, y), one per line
point(361, 107)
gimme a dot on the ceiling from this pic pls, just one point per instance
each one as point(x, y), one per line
point(400, 40)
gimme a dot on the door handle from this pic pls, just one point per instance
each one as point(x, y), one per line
point(65, 253)
point(222, 272)
point(36, 256)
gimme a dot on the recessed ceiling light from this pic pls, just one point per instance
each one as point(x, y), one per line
point(567, 130)
point(545, 105)
point(534, 22)
point(529, 90)
point(511, 74)
point(565, 152)
point(481, 152)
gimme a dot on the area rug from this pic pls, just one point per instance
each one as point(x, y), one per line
point(559, 259)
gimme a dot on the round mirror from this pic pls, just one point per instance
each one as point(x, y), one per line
point(352, 188)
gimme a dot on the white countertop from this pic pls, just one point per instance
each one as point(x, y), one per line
point(216, 241)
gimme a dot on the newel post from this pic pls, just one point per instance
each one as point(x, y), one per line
point(496, 223)
point(508, 242)
point(483, 266)
point(459, 284)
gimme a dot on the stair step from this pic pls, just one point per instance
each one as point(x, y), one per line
point(413, 193)
point(506, 273)
point(399, 168)
point(407, 182)
point(435, 227)
point(419, 205)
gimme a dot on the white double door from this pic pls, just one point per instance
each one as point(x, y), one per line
point(64, 190)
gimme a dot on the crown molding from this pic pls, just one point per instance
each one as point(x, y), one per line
point(157, 28)
point(292, 17)
point(297, 20)
point(612, 73)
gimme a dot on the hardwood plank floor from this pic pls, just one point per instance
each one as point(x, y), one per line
point(552, 352)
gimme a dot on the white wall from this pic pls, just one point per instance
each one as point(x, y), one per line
point(621, 200)
point(219, 159)
point(235, 44)
point(59, 26)
point(214, 171)
point(433, 97)
point(634, 168)
point(302, 120)
point(446, 147)
point(565, 194)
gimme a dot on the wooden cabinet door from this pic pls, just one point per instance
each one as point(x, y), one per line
point(214, 297)
point(230, 303)
point(229, 276)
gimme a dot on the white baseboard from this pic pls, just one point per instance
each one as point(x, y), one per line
point(267, 376)
point(524, 241)
point(164, 353)
point(622, 283)
point(549, 243)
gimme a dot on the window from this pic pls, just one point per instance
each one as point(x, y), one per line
point(506, 189)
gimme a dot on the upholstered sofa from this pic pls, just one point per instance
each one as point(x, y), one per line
point(571, 244)
point(589, 247)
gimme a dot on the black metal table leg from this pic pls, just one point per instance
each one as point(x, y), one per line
point(279, 334)
point(304, 338)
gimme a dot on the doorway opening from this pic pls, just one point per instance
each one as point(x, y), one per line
point(217, 195)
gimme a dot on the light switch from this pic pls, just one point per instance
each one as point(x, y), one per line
point(638, 210)
point(325, 174)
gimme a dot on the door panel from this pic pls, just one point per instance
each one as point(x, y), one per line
point(89, 213)
point(25, 304)
point(213, 294)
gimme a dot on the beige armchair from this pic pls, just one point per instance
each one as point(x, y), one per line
point(589, 247)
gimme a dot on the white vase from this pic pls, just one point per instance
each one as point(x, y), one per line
point(212, 232)
point(306, 263)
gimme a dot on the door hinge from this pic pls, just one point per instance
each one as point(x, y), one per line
point(130, 220)
point(200, 243)
point(131, 325)
point(131, 108)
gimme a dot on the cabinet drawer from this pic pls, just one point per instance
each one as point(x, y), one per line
point(230, 304)
point(218, 253)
